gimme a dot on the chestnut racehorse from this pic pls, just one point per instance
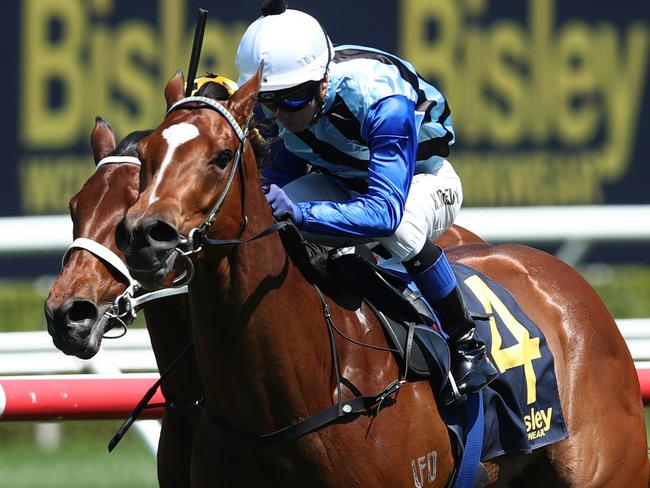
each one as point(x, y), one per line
point(264, 351)
point(87, 286)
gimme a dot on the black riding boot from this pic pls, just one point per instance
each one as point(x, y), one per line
point(432, 273)
point(470, 367)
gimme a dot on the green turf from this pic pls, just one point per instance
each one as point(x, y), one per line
point(21, 305)
point(82, 460)
point(625, 289)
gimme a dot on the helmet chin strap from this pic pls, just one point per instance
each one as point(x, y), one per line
point(321, 103)
point(319, 112)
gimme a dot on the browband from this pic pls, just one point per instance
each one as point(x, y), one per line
point(213, 104)
point(117, 160)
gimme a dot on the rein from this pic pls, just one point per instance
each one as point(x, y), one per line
point(194, 242)
point(144, 401)
point(123, 308)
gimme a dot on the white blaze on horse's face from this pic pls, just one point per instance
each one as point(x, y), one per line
point(175, 135)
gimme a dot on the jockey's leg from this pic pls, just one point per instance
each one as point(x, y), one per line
point(431, 207)
point(435, 279)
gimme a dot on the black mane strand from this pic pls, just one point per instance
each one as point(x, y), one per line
point(128, 145)
point(216, 91)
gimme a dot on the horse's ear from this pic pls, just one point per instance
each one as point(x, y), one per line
point(241, 103)
point(175, 89)
point(102, 139)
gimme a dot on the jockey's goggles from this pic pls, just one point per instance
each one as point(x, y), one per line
point(291, 99)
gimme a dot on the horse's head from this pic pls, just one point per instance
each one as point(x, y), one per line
point(191, 164)
point(88, 285)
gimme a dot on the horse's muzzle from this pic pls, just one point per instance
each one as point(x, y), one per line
point(74, 327)
point(149, 248)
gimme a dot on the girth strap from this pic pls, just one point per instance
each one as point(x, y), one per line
point(357, 406)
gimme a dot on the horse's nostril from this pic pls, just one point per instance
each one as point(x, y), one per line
point(161, 231)
point(81, 311)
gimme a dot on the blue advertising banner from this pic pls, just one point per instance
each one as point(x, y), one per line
point(550, 99)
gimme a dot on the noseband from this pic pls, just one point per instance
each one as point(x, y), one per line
point(123, 308)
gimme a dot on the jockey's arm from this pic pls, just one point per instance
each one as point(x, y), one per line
point(390, 130)
point(281, 166)
point(284, 166)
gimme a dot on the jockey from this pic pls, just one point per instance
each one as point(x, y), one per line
point(376, 137)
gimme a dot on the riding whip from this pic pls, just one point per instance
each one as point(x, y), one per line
point(196, 51)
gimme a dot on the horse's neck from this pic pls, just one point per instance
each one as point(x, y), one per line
point(258, 323)
point(168, 322)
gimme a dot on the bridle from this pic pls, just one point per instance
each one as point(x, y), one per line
point(123, 309)
point(122, 312)
point(197, 238)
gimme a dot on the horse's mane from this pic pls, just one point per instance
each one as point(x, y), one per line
point(128, 145)
point(216, 91)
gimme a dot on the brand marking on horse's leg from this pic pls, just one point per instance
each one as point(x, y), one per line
point(175, 135)
point(428, 463)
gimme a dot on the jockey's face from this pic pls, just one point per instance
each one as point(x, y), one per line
point(298, 120)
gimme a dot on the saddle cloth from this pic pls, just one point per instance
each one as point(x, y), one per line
point(521, 407)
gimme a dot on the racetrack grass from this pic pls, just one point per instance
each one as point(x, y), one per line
point(81, 461)
point(624, 289)
point(21, 305)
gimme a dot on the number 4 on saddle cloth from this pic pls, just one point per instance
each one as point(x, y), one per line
point(521, 406)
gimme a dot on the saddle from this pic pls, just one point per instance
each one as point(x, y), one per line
point(409, 324)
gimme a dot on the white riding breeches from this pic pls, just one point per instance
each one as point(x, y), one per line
point(431, 207)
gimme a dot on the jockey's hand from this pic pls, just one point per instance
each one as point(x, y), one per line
point(282, 205)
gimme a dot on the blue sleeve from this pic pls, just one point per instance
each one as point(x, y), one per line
point(282, 166)
point(390, 130)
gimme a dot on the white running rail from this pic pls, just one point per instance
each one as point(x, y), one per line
point(606, 223)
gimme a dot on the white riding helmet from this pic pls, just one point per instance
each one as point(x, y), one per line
point(293, 45)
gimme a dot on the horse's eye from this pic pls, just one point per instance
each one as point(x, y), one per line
point(223, 158)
